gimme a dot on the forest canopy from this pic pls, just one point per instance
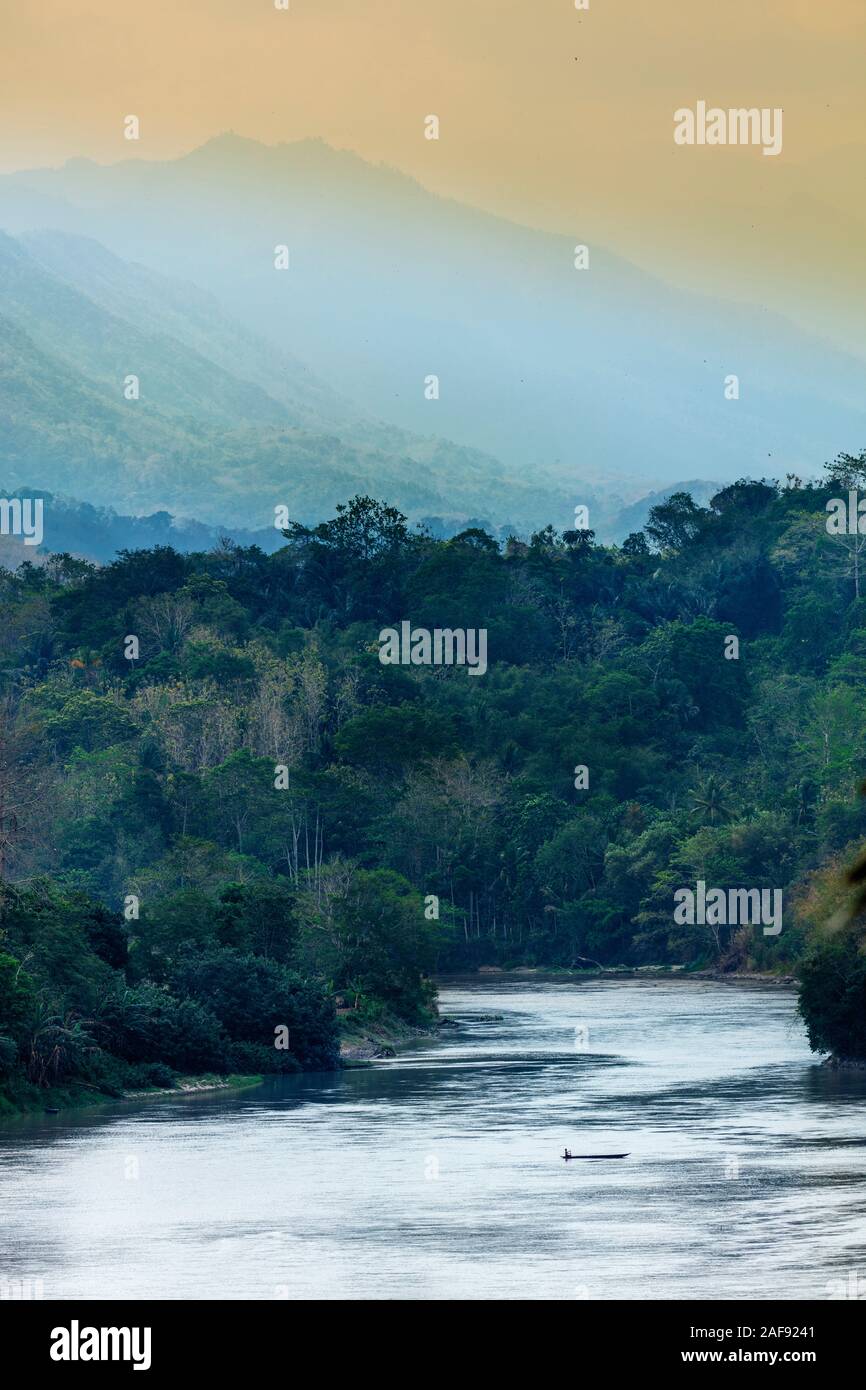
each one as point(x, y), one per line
point(243, 820)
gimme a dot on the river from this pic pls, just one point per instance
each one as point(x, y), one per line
point(436, 1175)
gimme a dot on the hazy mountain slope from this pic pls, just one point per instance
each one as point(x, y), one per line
point(201, 440)
point(58, 430)
point(173, 378)
point(602, 374)
point(807, 218)
point(192, 317)
point(50, 411)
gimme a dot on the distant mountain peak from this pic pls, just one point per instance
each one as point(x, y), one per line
point(308, 153)
point(230, 144)
point(226, 142)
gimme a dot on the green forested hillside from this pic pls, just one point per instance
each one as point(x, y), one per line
point(280, 814)
point(224, 427)
point(153, 309)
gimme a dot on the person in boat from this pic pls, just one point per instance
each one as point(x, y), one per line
point(567, 1154)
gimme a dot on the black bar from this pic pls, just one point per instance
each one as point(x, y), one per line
point(241, 1337)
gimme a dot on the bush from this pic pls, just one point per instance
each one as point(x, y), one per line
point(17, 998)
point(250, 1058)
point(8, 1055)
point(833, 997)
point(251, 996)
point(150, 1025)
point(148, 1074)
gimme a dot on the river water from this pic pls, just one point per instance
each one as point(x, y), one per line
point(436, 1175)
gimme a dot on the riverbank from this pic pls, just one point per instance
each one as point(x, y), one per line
point(191, 1085)
point(363, 1041)
point(35, 1100)
point(627, 972)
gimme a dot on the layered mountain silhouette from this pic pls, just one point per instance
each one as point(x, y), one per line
point(98, 533)
point(607, 376)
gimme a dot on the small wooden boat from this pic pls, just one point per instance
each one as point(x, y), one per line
point(567, 1155)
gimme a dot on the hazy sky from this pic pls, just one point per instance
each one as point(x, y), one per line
point(557, 117)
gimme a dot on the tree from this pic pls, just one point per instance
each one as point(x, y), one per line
point(375, 942)
point(24, 791)
point(252, 997)
point(846, 471)
point(355, 564)
point(394, 737)
point(363, 529)
point(676, 523)
point(89, 721)
point(17, 996)
point(832, 997)
point(242, 797)
point(258, 918)
point(635, 545)
point(710, 800)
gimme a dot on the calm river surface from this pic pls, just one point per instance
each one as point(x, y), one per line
point(436, 1175)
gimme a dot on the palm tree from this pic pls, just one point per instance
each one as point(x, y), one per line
point(710, 802)
point(58, 1046)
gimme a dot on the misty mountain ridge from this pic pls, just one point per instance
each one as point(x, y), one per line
point(205, 439)
point(606, 377)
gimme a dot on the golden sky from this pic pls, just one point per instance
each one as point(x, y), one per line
point(556, 117)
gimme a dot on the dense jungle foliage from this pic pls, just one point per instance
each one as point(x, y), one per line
point(253, 823)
